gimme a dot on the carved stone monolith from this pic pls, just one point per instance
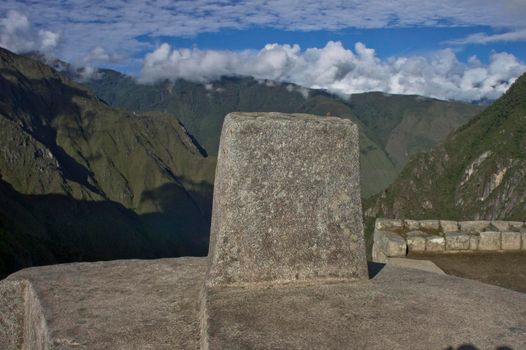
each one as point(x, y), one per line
point(287, 201)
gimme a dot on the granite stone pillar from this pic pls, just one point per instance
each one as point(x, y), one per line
point(287, 203)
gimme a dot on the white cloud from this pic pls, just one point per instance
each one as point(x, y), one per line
point(99, 54)
point(303, 91)
point(18, 35)
point(86, 73)
point(87, 67)
point(48, 40)
point(483, 38)
point(341, 70)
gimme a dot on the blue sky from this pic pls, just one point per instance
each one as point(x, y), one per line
point(452, 49)
point(386, 41)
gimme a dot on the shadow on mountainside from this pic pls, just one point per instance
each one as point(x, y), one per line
point(48, 229)
point(56, 228)
point(185, 207)
point(34, 104)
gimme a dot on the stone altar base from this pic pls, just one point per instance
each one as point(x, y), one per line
point(124, 304)
point(287, 267)
point(154, 304)
point(397, 309)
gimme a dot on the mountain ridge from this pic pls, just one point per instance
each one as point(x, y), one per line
point(142, 180)
point(392, 127)
point(479, 172)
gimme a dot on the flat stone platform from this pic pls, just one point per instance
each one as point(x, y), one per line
point(424, 265)
point(154, 304)
point(125, 304)
point(397, 309)
point(503, 269)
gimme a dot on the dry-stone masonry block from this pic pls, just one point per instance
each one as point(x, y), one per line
point(511, 240)
point(489, 240)
point(473, 226)
point(416, 244)
point(287, 200)
point(515, 225)
point(416, 241)
point(457, 241)
point(378, 255)
point(435, 243)
point(388, 224)
point(523, 239)
point(449, 226)
point(430, 225)
point(411, 225)
point(500, 225)
point(416, 233)
point(390, 243)
point(474, 242)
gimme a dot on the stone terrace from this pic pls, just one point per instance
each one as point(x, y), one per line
point(397, 238)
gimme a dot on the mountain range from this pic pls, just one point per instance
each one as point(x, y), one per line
point(80, 180)
point(392, 127)
point(479, 172)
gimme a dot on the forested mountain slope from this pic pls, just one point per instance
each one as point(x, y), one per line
point(393, 127)
point(479, 172)
point(81, 180)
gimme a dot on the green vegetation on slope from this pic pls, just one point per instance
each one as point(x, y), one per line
point(393, 127)
point(404, 125)
point(82, 181)
point(479, 172)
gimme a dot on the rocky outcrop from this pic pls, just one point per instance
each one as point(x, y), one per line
point(154, 304)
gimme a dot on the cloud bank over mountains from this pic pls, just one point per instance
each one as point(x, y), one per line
point(341, 70)
point(89, 33)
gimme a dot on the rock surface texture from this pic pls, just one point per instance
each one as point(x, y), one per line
point(154, 304)
point(397, 309)
point(125, 304)
point(286, 200)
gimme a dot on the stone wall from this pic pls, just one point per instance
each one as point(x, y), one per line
point(397, 237)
